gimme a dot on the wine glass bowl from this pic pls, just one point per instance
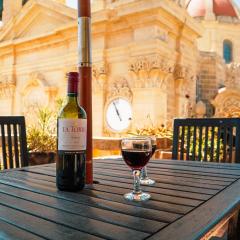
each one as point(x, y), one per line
point(154, 144)
point(144, 179)
point(136, 153)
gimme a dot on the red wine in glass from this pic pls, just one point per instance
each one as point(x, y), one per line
point(154, 147)
point(136, 153)
point(144, 179)
point(136, 159)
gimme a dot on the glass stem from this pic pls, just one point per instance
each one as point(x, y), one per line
point(136, 183)
point(144, 173)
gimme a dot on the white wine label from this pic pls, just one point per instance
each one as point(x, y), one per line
point(72, 134)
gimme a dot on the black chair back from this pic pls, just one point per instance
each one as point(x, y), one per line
point(207, 139)
point(13, 142)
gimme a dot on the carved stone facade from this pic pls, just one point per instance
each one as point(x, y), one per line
point(216, 78)
point(232, 75)
point(119, 87)
point(99, 76)
point(7, 90)
point(142, 67)
point(150, 71)
point(227, 103)
point(37, 92)
point(145, 53)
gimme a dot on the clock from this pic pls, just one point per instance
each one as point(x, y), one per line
point(119, 114)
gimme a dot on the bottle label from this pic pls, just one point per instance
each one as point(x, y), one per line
point(72, 134)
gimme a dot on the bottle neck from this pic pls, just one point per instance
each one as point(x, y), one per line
point(72, 96)
point(72, 92)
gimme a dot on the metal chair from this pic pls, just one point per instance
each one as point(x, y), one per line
point(13, 142)
point(207, 139)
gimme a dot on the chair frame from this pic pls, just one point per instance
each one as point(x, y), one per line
point(12, 141)
point(224, 127)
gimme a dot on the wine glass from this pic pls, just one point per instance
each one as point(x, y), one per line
point(136, 153)
point(144, 179)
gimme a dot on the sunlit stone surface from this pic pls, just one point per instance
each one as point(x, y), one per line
point(152, 54)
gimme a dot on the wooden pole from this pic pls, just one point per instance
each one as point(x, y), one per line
point(85, 75)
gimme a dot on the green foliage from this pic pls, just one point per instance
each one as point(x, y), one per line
point(206, 144)
point(158, 131)
point(42, 131)
point(41, 135)
point(151, 129)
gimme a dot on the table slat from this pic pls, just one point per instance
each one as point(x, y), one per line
point(162, 202)
point(39, 226)
point(188, 199)
point(136, 210)
point(83, 210)
point(11, 232)
point(219, 170)
point(197, 223)
point(73, 221)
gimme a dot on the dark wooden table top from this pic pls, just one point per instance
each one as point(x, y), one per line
point(188, 200)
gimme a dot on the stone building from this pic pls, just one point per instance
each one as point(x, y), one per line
point(152, 59)
point(219, 60)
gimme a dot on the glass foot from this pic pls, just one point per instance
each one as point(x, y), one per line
point(146, 181)
point(138, 197)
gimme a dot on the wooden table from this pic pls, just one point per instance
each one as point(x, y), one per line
point(188, 200)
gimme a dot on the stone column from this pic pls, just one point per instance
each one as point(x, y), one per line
point(98, 5)
point(209, 15)
point(51, 92)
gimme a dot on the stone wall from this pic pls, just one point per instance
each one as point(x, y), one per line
point(218, 85)
point(143, 51)
point(215, 32)
point(211, 75)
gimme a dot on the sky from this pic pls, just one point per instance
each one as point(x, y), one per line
point(237, 2)
point(73, 3)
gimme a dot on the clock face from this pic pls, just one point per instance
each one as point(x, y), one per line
point(119, 114)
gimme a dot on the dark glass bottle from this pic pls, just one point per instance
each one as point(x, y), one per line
point(71, 130)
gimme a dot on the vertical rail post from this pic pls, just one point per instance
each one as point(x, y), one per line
point(85, 75)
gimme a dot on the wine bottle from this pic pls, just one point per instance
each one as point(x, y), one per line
point(71, 130)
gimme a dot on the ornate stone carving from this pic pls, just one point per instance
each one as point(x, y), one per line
point(37, 92)
point(227, 19)
point(150, 70)
point(119, 88)
point(7, 87)
point(183, 72)
point(229, 108)
point(232, 74)
point(178, 72)
point(185, 79)
point(35, 80)
point(38, 77)
point(227, 103)
point(7, 90)
point(99, 75)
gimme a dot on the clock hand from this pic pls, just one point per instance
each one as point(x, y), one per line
point(117, 111)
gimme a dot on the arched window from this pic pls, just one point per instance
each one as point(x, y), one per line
point(227, 51)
